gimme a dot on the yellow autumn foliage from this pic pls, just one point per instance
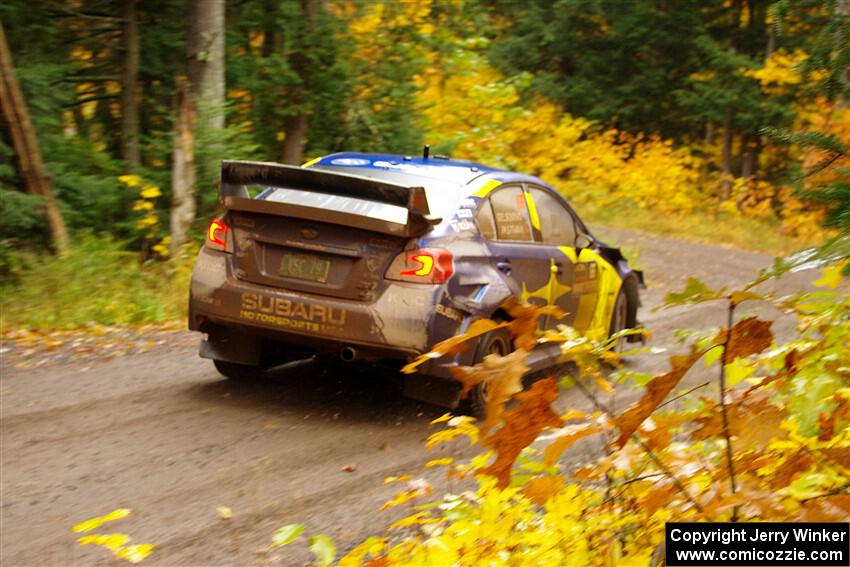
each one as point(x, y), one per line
point(780, 70)
point(472, 111)
point(478, 112)
point(481, 115)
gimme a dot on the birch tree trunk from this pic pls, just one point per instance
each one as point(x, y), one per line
point(206, 59)
point(30, 163)
point(183, 167)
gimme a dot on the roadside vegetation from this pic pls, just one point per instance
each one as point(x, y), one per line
point(768, 439)
point(98, 281)
point(727, 141)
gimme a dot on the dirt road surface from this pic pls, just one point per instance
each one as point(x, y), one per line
point(163, 434)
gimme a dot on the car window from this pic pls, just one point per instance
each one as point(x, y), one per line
point(557, 225)
point(511, 214)
point(486, 222)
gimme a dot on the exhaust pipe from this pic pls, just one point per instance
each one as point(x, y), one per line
point(349, 354)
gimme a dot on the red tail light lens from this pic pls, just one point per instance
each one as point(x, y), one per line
point(423, 265)
point(217, 235)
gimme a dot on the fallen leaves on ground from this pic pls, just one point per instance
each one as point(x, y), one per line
point(24, 349)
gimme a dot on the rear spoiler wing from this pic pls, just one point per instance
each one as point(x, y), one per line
point(233, 195)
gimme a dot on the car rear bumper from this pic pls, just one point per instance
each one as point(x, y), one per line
point(396, 325)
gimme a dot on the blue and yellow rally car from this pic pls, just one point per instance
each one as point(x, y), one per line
point(368, 257)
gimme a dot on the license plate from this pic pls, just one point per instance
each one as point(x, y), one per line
point(305, 267)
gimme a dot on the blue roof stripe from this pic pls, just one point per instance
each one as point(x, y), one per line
point(447, 169)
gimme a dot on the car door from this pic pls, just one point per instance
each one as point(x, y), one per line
point(575, 284)
point(503, 220)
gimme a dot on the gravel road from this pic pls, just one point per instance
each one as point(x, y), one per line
point(162, 433)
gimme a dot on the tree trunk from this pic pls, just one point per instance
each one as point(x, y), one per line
point(31, 166)
point(750, 147)
point(129, 87)
point(842, 10)
point(726, 184)
point(771, 40)
point(206, 59)
point(183, 167)
point(295, 127)
point(270, 28)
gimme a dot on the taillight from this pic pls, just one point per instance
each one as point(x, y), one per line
point(423, 265)
point(217, 235)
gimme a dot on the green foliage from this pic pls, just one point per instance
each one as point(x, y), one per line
point(829, 45)
point(22, 225)
point(829, 177)
point(695, 292)
point(97, 282)
point(613, 62)
point(324, 549)
point(322, 546)
point(286, 534)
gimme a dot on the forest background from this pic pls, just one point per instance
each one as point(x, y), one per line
point(724, 121)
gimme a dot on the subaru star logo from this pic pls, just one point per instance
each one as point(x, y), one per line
point(309, 233)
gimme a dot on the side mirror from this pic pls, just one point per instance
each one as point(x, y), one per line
point(583, 241)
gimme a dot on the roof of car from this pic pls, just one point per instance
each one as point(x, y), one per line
point(436, 167)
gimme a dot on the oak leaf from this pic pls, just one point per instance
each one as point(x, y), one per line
point(658, 496)
point(567, 436)
point(784, 472)
point(753, 420)
point(656, 391)
point(827, 509)
point(502, 378)
point(525, 321)
point(541, 488)
point(456, 344)
point(838, 455)
point(523, 424)
point(749, 336)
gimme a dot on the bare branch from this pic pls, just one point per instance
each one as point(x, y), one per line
point(650, 453)
point(729, 463)
point(68, 13)
point(682, 395)
point(88, 79)
point(90, 99)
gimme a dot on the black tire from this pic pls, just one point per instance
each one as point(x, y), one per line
point(494, 342)
point(238, 372)
point(619, 319)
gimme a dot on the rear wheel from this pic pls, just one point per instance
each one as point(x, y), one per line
point(495, 342)
point(619, 320)
point(238, 372)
